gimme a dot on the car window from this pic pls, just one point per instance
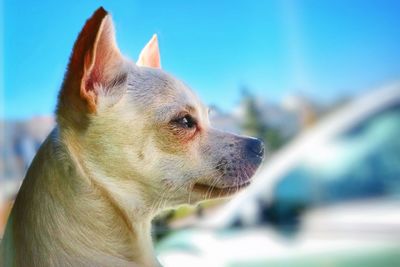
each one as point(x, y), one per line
point(362, 162)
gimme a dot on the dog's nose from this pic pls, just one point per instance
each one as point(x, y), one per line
point(255, 146)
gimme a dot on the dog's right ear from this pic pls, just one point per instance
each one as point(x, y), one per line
point(150, 55)
point(94, 64)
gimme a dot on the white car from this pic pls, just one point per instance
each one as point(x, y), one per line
point(330, 198)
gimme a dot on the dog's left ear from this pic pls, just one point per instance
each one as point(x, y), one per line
point(96, 64)
point(150, 55)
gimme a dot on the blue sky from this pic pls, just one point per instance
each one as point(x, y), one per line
point(323, 48)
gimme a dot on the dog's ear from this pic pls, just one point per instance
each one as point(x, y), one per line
point(94, 63)
point(150, 55)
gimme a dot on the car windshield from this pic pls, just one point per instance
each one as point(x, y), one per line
point(362, 162)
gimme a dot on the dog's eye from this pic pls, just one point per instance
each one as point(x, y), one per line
point(187, 122)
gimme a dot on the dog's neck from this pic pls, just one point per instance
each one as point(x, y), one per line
point(81, 212)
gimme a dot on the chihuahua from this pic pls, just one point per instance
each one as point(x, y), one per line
point(130, 141)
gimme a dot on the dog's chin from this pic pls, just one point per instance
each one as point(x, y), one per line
point(209, 191)
point(211, 188)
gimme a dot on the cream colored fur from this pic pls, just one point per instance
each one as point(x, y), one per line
point(125, 147)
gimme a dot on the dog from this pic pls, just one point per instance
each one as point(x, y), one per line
point(130, 141)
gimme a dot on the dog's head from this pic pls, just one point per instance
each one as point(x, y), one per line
point(142, 130)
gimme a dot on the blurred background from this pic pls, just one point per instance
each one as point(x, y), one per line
point(318, 81)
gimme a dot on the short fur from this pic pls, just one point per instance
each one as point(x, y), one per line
point(130, 141)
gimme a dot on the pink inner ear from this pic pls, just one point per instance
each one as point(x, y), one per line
point(104, 55)
point(150, 55)
point(101, 62)
point(91, 80)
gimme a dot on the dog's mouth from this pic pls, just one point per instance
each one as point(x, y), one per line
point(214, 191)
